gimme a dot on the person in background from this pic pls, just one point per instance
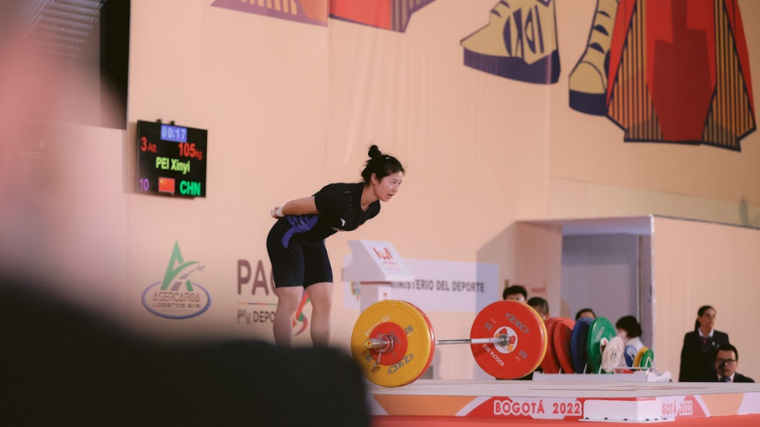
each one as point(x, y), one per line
point(515, 293)
point(541, 305)
point(726, 363)
point(585, 312)
point(629, 330)
point(700, 347)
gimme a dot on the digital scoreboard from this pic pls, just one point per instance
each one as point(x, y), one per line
point(171, 160)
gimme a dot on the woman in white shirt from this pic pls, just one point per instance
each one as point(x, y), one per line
point(629, 330)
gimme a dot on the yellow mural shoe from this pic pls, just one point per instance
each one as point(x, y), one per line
point(588, 80)
point(519, 42)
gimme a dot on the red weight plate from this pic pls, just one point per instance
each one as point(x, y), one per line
point(550, 364)
point(526, 335)
point(563, 333)
point(399, 343)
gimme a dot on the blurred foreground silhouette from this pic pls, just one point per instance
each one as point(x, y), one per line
point(64, 363)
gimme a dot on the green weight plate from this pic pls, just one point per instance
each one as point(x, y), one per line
point(647, 359)
point(601, 328)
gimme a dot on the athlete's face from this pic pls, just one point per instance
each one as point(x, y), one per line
point(387, 187)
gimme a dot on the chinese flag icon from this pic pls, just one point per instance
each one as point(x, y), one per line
point(166, 185)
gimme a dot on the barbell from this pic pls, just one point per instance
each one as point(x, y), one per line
point(394, 343)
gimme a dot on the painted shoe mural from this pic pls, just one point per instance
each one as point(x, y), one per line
point(519, 42)
point(588, 80)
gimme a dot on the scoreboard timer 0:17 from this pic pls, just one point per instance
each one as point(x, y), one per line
point(171, 160)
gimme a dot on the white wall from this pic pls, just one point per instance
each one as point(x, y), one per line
point(600, 272)
point(698, 263)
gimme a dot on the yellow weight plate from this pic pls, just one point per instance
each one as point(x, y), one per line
point(420, 343)
point(637, 361)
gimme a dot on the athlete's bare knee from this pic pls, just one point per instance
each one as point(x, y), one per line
point(321, 305)
point(321, 297)
point(287, 302)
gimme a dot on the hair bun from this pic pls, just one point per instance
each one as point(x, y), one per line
point(374, 152)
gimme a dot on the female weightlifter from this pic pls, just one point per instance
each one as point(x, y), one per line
point(296, 242)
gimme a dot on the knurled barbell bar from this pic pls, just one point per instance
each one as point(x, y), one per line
point(384, 342)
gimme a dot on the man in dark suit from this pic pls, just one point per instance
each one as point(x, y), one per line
point(726, 363)
point(700, 346)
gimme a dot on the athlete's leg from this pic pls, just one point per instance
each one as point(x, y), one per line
point(318, 280)
point(288, 300)
point(321, 303)
point(288, 273)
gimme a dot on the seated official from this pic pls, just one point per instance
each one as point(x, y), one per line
point(585, 312)
point(726, 363)
point(541, 306)
point(515, 293)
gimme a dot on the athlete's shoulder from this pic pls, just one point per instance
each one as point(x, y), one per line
point(341, 187)
point(335, 197)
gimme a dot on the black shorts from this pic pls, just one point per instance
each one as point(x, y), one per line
point(302, 263)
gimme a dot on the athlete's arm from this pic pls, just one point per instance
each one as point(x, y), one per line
point(303, 206)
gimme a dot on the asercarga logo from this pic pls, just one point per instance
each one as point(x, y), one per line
point(176, 297)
